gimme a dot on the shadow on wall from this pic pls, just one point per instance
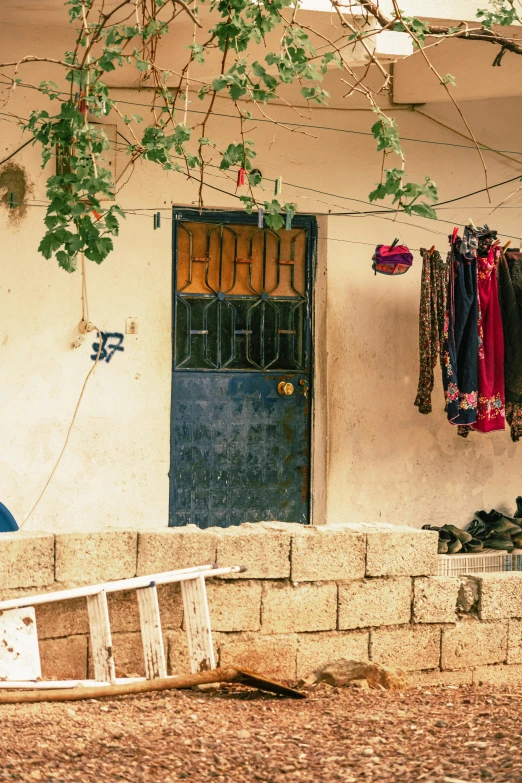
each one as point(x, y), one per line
point(15, 188)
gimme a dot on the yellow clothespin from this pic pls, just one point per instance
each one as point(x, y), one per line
point(471, 223)
point(506, 246)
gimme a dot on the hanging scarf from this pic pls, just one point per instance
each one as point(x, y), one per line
point(510, 294)
point(431, 323)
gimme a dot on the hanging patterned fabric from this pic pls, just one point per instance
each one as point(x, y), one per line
point(510, 294)
point(434, 282)
point(460, 350)
point(491, 393)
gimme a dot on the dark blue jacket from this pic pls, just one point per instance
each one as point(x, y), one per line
point(7, 520)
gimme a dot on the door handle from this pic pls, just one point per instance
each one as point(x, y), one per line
point(285, 388)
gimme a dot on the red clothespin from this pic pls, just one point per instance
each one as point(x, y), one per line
point(241, 177)
point(430, 251)
point(454, 235)
point(96, 215)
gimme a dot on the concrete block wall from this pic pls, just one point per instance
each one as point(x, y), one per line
point(309, 596)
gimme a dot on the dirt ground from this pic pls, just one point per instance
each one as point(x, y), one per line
point(437, 735)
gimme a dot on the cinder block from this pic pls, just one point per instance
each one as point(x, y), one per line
point(498, 674)
point(370, 602)
point(234, 606)
point(474, 643)
point(436, 678)
point(401, 552)
point(320, 553)
point(317, 650)
point(178, 655)
point(125, 617)
point(500, 595)
point(273, 656)
point(26, 559)
point(64, 659)
point(409, 648)
point(304, 607)
point(171, 548)
point(63, 618)
point(88, 558)
point(264, 551)
point(514, 653)
point(435, 599)
point(128, 654)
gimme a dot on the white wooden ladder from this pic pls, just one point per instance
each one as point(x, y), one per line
point(20, 658)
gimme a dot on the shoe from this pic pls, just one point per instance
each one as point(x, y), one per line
point(518, 512)
point(442, 547)
point(455, 545)
point(462, 535)
point(474, 545)
point(517, 540)
point(478, 529)
point(498, 522)
point(499, 542)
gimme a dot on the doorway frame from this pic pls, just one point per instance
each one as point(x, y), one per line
point(318, 446)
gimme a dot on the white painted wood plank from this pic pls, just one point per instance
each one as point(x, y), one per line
point(166, 577)
point(151, 635)
point(19, 653)
point(101, 639)
point(197, 622)
point(38, 685)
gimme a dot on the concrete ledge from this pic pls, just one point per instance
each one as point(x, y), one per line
point(26, 559)
point(96, 557)
point(265, 551)
point(327, 554)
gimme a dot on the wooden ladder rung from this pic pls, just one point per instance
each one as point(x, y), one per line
point(197, 621)
point(151, 635)
point(101, 639)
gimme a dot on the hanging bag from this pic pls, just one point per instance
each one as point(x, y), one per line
point(392, 259)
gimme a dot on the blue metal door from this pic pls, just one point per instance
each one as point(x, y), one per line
point(241, 381)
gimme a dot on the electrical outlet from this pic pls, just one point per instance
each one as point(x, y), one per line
point(131, 325)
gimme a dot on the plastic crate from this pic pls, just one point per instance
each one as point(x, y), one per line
point(486, 562)
point(517, 559)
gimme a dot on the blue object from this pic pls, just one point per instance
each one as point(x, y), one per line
point(7, 520)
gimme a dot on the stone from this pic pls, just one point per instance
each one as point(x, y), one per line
point(315, 650)
point(436, 678)
point(435, 599)
point(26, 559)
point(468, 597)
point(499, 674)
point(409, 648)
point(473, 643)
point(319, 553)
point(401, 552)
point(234, 606)
point(265, 552)
point(500, 595)
point(62, 618)
point(514, 649)
point(100, 556)
point(172, 548)
point(64, 659)
point(271, 656)
point(346, 671)
point(372, 602)
point(304, 607)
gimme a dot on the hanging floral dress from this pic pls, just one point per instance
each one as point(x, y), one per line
point(491, 393)
point(431, 323)
point(460, 350)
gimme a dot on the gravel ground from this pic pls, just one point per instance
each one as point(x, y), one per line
point(436, 735)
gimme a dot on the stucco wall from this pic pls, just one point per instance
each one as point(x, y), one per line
point(385, 460)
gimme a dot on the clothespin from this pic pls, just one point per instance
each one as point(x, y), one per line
point(11, 201)
point(96, 215)
point(288, 224)
point(260, 217)
point(102, 102)
point(506, 246)
point(430, 251)
point(454, 235)
point(241, 177)
point(158, 219)
point(471, 223)
point(278, 186)
point(155, 216)
point(395, 242)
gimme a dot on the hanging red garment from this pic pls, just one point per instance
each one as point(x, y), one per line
point(491, 392)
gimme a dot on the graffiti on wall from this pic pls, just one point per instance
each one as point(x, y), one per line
point(111, 343)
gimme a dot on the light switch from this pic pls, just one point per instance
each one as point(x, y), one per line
point(131, 325)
